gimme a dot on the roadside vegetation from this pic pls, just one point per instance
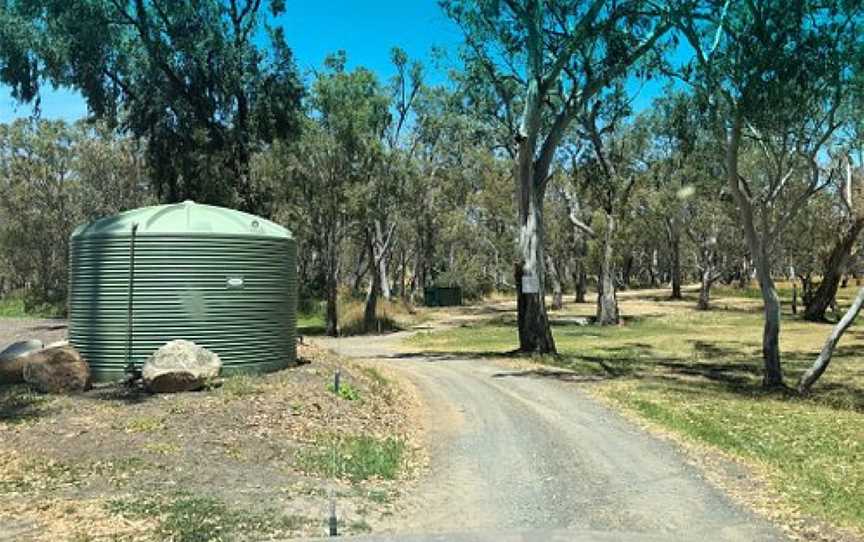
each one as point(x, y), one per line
point(391, 315)
point(696, 374)
point(248, 460)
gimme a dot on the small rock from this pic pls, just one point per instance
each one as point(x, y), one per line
point(57, 370)
point(180, 365)
point(12, 360)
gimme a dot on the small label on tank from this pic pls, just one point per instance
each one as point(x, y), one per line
point(235, 283)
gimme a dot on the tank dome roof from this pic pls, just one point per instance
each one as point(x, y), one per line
point(186, 218)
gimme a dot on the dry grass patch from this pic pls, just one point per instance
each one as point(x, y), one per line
point(698, 375)
point(219, 455)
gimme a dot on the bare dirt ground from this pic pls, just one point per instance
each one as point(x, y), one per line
point(121, 464)
point(522, 454)
point(19, 329)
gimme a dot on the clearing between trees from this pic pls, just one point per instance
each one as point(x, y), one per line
point(696, 377)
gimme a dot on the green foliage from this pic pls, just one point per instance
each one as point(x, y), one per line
point(192, 77)
point(54, 177)
point(357, 458)
point(15, 305)
point(186, 517)
point(346, 391)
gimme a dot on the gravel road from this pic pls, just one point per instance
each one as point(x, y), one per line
point(520, 456)
point(20, 329)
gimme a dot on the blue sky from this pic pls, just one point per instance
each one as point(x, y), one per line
point(365, 29)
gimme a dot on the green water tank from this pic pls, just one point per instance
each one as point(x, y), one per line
point(224, 279)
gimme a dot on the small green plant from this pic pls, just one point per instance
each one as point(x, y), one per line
point(359, 526)
point(356, 457)
point(241, 385)
point(193, 518)
point(346, 391)
point(144, 424)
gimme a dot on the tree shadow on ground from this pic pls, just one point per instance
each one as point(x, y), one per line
point(437, 356)
point(49, 327)
point(120, 393)
point(564, 376)
point(18, 404)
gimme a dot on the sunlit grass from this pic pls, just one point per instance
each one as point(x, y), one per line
point(699, 373)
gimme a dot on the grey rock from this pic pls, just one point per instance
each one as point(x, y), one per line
point(57, 370)
point(180, 365)
point(12, 360)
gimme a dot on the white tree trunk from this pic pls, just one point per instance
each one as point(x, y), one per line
point(824, 358)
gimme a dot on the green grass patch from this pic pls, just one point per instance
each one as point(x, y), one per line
point(355, 458)
point(346, 391)
point(193, 518)
point(698, 374)
point(815, 453)
point(15, 306)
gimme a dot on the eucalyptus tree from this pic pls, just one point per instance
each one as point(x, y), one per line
point(457, 181)
point(557, 55)
point(206, 83)
point(385, 189)
point(326, 174)
point(608, 173)
point(54, 177)
point(776, 74)
point(847, 226)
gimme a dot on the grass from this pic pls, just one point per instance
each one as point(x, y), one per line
point(18, 404)
point(13, 306)
point(391, 315)
point(356, 457)
point(346, 391)
point(240, 386)
point(144, 424)
point(698, 374)
point(194, 518)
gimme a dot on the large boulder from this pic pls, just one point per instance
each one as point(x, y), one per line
point(57, 370)
point(12, 360)
point(180, 365)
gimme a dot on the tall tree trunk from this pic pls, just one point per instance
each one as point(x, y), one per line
point(535, 334)
point(652, 268)
point(370, 313)
point(773, 372)
point(554, 277)
point(627, 271)
point(705, 284)
point(673, 236)
point(331, 316)
point(580, 282)
point(607, 299)
point(381, 245)
point(831, 276)
point(824, 358)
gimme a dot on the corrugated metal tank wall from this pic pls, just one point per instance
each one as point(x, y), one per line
point(223, 279)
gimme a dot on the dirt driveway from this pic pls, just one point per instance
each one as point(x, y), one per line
point(521, 450)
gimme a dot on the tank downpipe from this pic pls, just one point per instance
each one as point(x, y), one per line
point(132, 372)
